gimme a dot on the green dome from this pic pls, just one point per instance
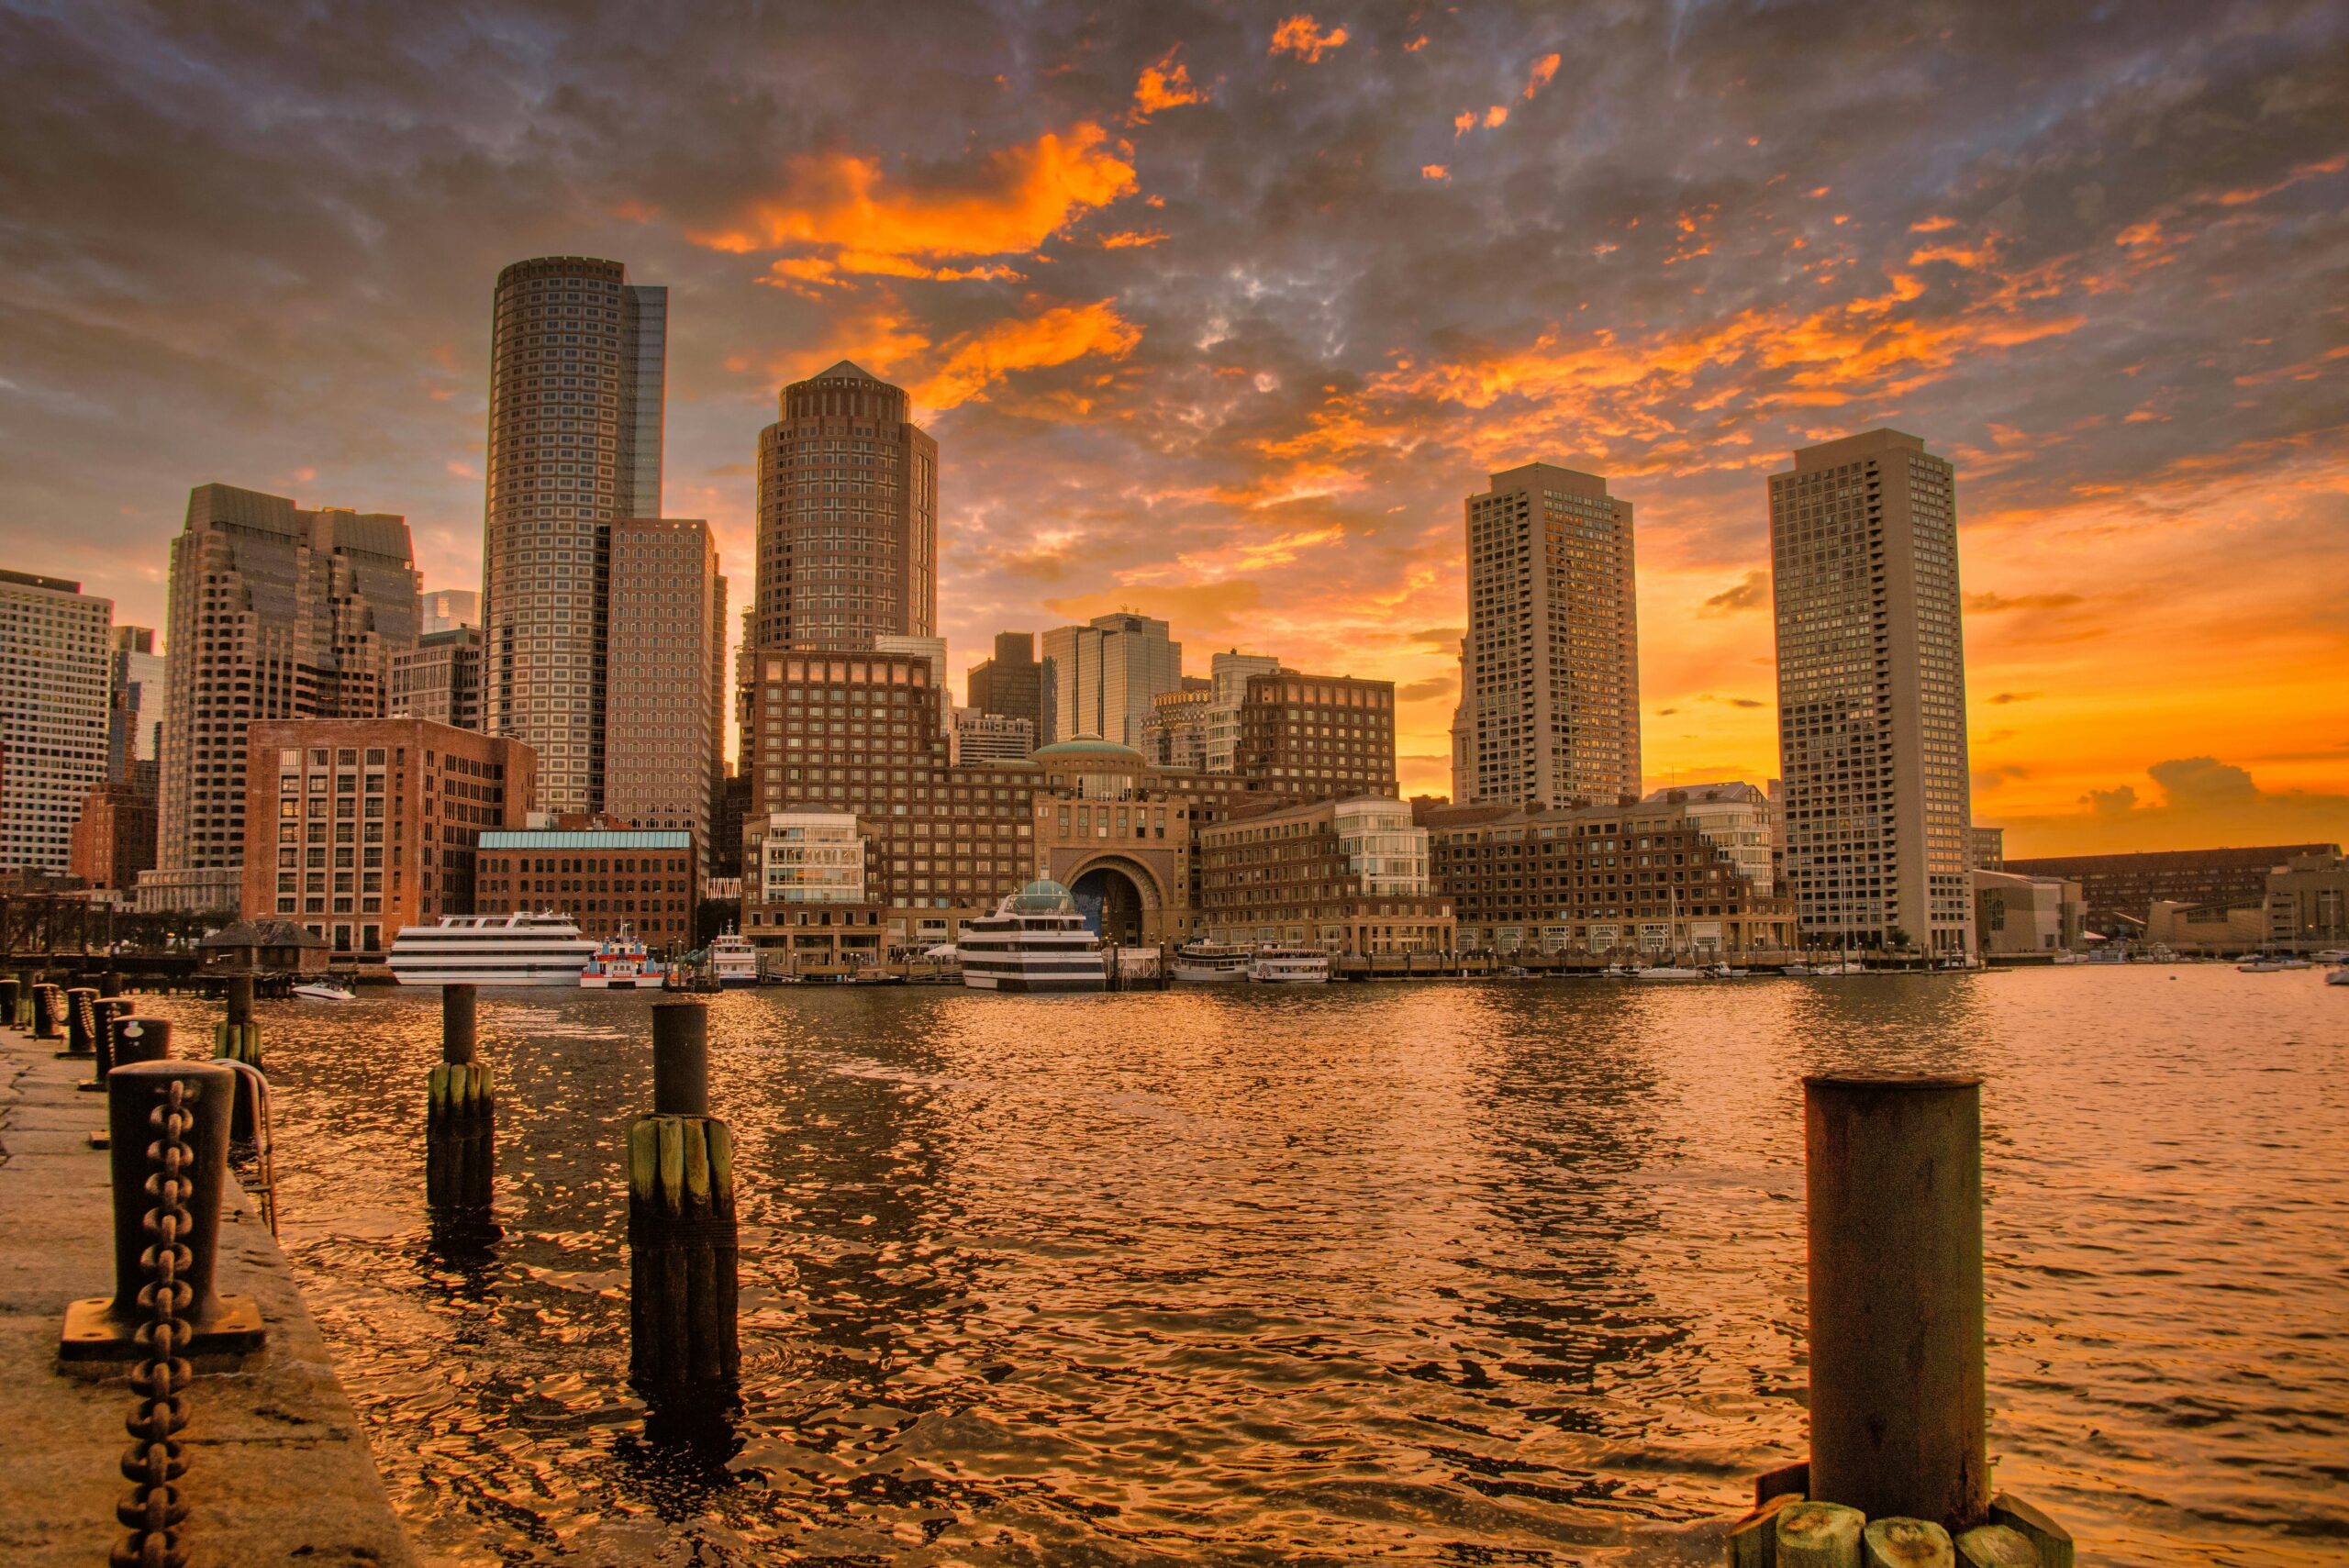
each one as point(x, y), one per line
point(1089, 746)
point(1043, 896)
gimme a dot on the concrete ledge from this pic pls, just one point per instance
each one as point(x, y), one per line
point(278, 1468)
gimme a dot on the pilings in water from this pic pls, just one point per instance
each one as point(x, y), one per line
point(1899, 1470)
point(681, 1232)
point(236, 1036)
point(460, 1120)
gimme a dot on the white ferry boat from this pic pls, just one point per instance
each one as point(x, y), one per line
point(1270, 966)
point(733, 961)
point(620, 964)
point(1035, 940)
point(491, 949)
point(1211, 964)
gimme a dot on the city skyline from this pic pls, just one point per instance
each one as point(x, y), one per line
point(1220, 411)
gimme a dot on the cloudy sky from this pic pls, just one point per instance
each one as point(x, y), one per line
point(1218, 311)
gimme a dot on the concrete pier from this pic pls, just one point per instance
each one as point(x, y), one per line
point(278, 1467)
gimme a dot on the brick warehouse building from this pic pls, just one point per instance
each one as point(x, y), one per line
point(1350, 877)
point(355, 828)
point(600, 871)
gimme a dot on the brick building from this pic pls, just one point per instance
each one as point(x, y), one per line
point(1317, 735)
point(602, 872)
point(1598, 879)
point(2120, 890)
point(1351, 876)
point(355, 828)
point(114, 839)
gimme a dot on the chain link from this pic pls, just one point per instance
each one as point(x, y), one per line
point(153, 1463)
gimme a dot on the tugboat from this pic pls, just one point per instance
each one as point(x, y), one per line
point(620, 965)
point(1034, 942)
point(733, 960)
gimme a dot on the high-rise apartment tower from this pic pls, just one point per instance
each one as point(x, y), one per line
point(56, 644)
point(1872, 691)
point(1550, 673)
point(665, 729)
point(848, 516)
point(577, 365)
point(275, 613)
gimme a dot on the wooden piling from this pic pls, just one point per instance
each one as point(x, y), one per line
point(1894, 1177)
point(1819, 1535)
point(460, 1118)
point(682, 1243)
point(1906, 1543)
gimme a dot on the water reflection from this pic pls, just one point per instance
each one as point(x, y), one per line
point(1438, 1271)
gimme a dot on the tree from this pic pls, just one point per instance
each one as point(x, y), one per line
point(1895, 938)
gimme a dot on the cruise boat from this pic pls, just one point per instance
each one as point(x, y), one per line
point(734, 960)
point(620, 964)
point(491, 949)
point(1270, 965)
point(1034, 942)
point(1211, 964)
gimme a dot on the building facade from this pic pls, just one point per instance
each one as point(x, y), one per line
point(276, 613)
point(602, 873)
point(449, 609)
point(1871, 693)
point(1347, 876)
point(980, 738)
point(1175, 734)
point(1317, 735)
point(1986, 848)
point(1099, 678)
point(1551, 671)
point(56, 653)
point(2308, 903)
point(114, 839)
point(2120, 890)
point(1228, 674)
point(1739, 817)
point(355, 828)
point(1642, 879)
point(134, 711)
point(2016, 915)
point(848, 516)
point(439, 679)
point(664, 728)
point(1011, 684)
point(578, 368)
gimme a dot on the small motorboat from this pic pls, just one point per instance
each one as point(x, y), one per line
point(324, 990)
point(2269, 962)
point(2337, 975)
point(1673, 972)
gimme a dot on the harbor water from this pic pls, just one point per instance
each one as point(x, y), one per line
point(1498, 1272)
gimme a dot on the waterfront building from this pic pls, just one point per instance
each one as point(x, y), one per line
point(980, 738)
point(2015, 915)
point(2122, 889)
point(1551, 668)
point(1871, 693)
point(189, 890)
point(808, 897)
point(114, 837)
point(1348, 877)
point(1736, 817)
point(847, 517)
point(1641, 877)
point(578, 366)
point(439, 679)
point(355, 828)
point(1010, 684)
point(1228, 674)
point(134, 711)
point(602, 872)
point(2308, 902)
point(726, 833)
point(1099, 678)
point(664, 728)
point(277, 612)
point(934, 650)
point(1175, 734)
point(449, 609)
point(1317, 735)
point(56, 646)
point(1986, 848)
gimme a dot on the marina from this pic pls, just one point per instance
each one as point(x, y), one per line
point(1482, 1269)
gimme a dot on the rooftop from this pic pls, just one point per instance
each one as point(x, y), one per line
point(587, 838)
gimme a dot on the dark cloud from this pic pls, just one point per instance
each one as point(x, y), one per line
point(1752, 592)
point(1993, 604)
point(2201, 801)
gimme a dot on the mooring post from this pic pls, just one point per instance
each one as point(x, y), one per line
point(110, 984)
point(1897, 1400)
point(459, 1118)
point(106, 1016)
point(80, 1021)
point(12, 992)
point(236, 1036)
point(48, 1011)
point(137, 1103)
point(681, 1248)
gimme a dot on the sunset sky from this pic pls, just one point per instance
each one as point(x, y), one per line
point(1217, 312)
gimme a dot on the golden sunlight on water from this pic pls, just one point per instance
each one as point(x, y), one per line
point(1444, 1273)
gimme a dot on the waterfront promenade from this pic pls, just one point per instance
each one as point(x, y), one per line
point(278, 1469)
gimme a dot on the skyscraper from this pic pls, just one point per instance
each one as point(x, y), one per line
point(1012, 683)
point(275, 613)
point(440, 679)
point(578, 361)
point(1100, 678)
point(848, 516)
point(56, 643)
point(134, 711)
point(1550, 678)
point(1872, 691)
point(449, 609)
point(664, 730)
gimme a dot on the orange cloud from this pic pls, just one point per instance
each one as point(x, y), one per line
point(1463, 123)
point(1544, 69)
point(1932, 225)
point(1009, 205)
point(976, 362)
point(1298, 35)
point(1164, 86)
point(1416, 45)
point(1496, 115)
point(1129, 239)
point(1434, 171)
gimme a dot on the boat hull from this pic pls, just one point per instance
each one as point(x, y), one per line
point(1035, 984)
point(1210, 976)
point(564, 977)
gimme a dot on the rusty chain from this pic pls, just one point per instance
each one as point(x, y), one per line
point(153, 1463)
